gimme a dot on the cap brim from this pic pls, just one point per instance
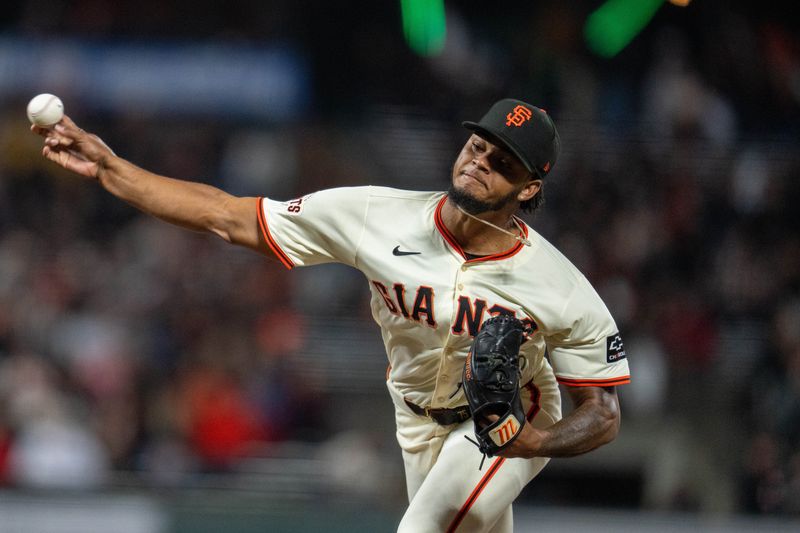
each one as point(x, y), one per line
point(498, 138)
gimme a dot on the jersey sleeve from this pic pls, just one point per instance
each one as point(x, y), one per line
point(321, 227)
point(588, 352)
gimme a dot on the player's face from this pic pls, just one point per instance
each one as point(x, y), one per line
point(488, 177)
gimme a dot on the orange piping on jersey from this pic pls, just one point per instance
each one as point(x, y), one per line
point(535, 395)
point(610, 382)
point(475, 493)
point(451, 240)
point(388, 371)
point(262, 223)
point(437, 218)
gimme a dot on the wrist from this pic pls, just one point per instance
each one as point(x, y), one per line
point(534, 441)
point(105, 166)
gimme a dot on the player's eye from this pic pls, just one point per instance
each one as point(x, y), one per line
point(503, 165)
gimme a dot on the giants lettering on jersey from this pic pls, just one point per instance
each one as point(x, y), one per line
point(470, 314)
point(423, 302)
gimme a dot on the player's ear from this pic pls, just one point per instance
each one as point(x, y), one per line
point(531, 188)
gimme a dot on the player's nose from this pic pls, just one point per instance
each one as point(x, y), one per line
point(481, 162)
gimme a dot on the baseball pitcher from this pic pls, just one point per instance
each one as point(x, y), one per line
point(481, 317)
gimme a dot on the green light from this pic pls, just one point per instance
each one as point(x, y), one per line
point(424, 25)
point(614, 24)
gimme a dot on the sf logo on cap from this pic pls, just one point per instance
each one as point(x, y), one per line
point(519, 116)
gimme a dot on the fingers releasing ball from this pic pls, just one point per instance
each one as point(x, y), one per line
point(45, 110)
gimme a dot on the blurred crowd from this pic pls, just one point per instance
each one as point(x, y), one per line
point(127, 345)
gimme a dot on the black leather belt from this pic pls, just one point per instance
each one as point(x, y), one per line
point(441, 415)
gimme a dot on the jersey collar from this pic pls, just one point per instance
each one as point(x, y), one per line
point(451, 240)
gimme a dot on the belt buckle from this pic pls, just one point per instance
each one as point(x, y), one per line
point(428, 410)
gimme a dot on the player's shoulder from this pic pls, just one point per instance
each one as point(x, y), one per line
point(558, 281)
point(553, 264)
point(390, 193)
point(358, 200)
point(376, 193)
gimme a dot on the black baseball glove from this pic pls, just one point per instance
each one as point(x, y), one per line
point(491, 383)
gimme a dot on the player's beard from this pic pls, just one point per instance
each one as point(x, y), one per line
point(473, 205)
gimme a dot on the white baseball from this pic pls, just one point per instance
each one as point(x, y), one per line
point(45, 110)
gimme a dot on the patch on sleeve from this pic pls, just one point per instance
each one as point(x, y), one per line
point(614, 348)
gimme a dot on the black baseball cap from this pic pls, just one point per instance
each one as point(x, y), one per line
point(525, 130)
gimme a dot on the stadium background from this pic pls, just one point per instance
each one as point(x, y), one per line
point(153, 380)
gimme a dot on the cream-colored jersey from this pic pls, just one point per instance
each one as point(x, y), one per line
point(429, 299)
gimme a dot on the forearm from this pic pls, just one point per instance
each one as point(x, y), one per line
point(594, 422)
point(195, 206)
point(191, 205)
point(586, 428)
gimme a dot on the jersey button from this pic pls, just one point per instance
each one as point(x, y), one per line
point(440, 399)
point(463, 268)
point(461, 286)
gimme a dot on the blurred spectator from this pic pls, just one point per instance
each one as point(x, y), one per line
point(5, 450)
point(52, 447)
point(773, 408)
point(62, 454)
point(221, 425)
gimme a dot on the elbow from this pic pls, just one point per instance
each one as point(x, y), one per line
point(230, 220)
point(217, 222)
point(610, 432)
point(610, 421)
point(222, 231)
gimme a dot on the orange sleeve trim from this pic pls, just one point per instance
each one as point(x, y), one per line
point(610, 382)
point(262, 223)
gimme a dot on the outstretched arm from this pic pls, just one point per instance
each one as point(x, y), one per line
point(594, 421)
point(195, 206)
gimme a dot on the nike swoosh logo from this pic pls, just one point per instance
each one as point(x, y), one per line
point(397, 251)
